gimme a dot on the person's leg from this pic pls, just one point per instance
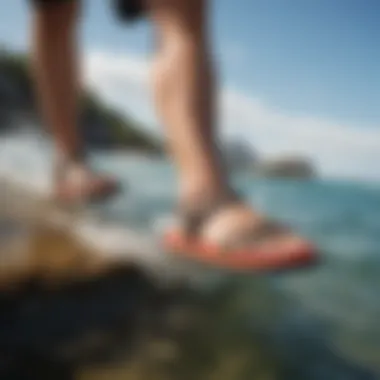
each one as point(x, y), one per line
point(55, 66)
point(55, 69)
point(184, 81)
point(184, 90)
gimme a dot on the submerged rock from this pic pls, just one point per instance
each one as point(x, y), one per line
point(68, 312)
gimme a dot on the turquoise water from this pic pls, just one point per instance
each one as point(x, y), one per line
point(326, 318)
point(342, 218)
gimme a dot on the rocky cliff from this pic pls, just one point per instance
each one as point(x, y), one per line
point(102, 127)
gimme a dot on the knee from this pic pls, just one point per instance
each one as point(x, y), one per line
point(180, 25)
point(56, 16)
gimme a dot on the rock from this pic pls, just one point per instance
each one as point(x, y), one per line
point(69, 313)
point(286, 167)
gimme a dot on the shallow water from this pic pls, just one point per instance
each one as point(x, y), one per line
point(315, 324)
point(343, 219)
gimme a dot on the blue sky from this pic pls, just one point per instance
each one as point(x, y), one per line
point(306, 73)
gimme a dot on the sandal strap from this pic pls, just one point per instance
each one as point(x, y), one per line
point(194, 216)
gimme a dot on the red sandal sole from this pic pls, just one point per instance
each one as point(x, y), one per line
point(243, 259)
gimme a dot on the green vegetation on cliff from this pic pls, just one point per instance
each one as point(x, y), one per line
point(102, 126)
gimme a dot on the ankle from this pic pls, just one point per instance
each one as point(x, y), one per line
point(72, 155)
point(193, 191)
point(69, 164)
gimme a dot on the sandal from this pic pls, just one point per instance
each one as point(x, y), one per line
point(246, 251)
point(78, 189)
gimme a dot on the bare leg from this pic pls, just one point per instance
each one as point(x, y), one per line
point(184, 89)
point(185, 95)
point(55, 62)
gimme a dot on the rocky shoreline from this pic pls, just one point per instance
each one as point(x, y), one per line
point(68, 313)
point(80, 315)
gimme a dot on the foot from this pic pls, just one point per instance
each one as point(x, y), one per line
point(230, 233)
point(78, 184)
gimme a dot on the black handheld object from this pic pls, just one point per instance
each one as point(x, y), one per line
point(126, 10)
point(129, 10)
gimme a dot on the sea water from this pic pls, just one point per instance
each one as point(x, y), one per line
point(343, 218)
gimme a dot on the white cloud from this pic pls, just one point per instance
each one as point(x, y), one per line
point(121, 81)
point(339, 150)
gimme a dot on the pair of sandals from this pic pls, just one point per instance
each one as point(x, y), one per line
point(252, 249)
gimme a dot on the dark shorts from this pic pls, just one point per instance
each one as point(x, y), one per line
point(125, 9)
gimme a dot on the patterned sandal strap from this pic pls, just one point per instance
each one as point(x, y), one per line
point(195, 216)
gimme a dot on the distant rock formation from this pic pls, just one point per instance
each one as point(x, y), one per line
point(239, 156)
point(286, 167)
